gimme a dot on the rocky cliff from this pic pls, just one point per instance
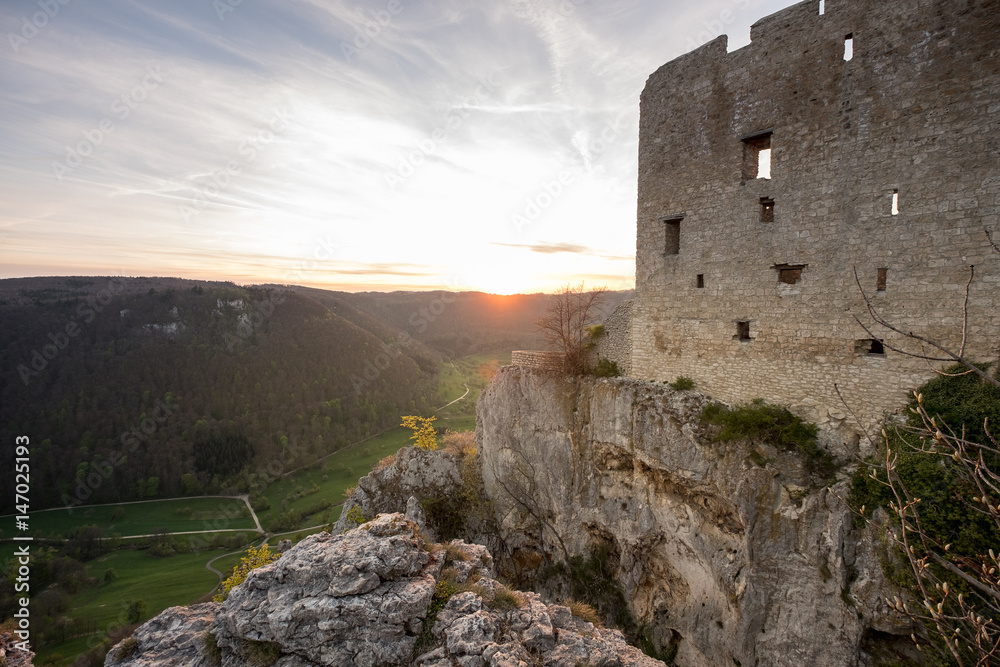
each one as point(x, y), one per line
point(733, 553)
point(376, 595)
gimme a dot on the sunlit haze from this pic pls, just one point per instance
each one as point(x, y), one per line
point(348, 145)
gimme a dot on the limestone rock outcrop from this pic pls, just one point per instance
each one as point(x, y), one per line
point(732, 552)
point(414, 473)
point(365, 598)
point(10, 655)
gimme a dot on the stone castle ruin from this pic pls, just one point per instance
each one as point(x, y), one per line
point(848, 135)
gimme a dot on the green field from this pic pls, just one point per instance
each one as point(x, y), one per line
point(334, 476)
point(159, 582)
point(182, 579)
point(473, 372)
point(157, 516)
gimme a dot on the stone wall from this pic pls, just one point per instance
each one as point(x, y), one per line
point(746, 284)
point(544, 361)
point(616, 342)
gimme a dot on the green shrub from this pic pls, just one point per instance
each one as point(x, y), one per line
point(606, 369)
point(763, 423)
point(949, 507)
point(595, 332)
point(682, 383)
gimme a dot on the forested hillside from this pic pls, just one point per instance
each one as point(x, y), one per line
point(135, 388)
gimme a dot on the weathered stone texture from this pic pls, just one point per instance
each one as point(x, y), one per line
point(413, 474)
point(731, 551)
point(539, 360)
point(362, 599)
point(915, 111)
point(616, 343)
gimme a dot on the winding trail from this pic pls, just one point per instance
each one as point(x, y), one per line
point(467, 390)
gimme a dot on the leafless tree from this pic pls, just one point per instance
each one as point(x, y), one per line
point(518, 489)
point(565, 323)
point(966, 621)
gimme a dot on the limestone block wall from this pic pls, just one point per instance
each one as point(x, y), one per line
point(539, 360)
point(616, 343)
point(884, 164)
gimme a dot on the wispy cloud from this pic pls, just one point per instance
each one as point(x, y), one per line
point(101, 164)
point(553, 248)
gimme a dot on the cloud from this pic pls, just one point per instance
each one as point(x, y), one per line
point(554, 248)
point(372, 95)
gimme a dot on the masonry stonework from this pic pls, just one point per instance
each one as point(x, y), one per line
point(616, 342)
point(886, 163)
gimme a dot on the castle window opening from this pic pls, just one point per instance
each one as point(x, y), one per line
point(672, 234)
point(848, 47)
point(822, 7)
point(701, 280)
point(790, 274)
point(870, 347)
point(757, 155)
point(880, 283)
point(895, 202)
point(766, 209)
point(743, 330)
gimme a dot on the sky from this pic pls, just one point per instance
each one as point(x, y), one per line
point(344, 144)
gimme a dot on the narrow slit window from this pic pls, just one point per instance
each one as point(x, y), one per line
point(766, 209)
point(822, 7)
point(880, 283)
point(757, 156)
point(872, 347)
point(672, 235)
point(743, 330)
point(848, 47)
point(895, 202)
point(701, 280)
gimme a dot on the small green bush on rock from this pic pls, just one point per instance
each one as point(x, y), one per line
point(764, 423)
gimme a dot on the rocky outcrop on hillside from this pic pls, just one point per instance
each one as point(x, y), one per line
point(10, 655)
point(733, 553)
point(412, 474)
point(376, 595)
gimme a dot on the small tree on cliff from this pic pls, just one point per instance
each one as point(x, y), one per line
point(424, 435)
point(565, 323)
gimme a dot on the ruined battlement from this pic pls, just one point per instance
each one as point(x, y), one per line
point(863, 138)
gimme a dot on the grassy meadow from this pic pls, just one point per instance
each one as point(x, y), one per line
point(181, 579)
point(146, 518)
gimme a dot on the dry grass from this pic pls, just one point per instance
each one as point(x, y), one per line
point(385, 462)
point(584, 612)
point(504, 599)
point(454, 552)
point(460, 442)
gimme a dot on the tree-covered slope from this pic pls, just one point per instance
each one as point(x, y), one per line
point(131, 388)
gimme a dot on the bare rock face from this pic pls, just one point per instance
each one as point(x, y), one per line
point(352, 599)
point(175, 637)
point(474, 632)
point(10, 655)
point(731, 552)
point(414, 473)
point(364, 598)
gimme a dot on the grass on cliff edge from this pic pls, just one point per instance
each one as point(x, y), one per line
point(764, 423)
